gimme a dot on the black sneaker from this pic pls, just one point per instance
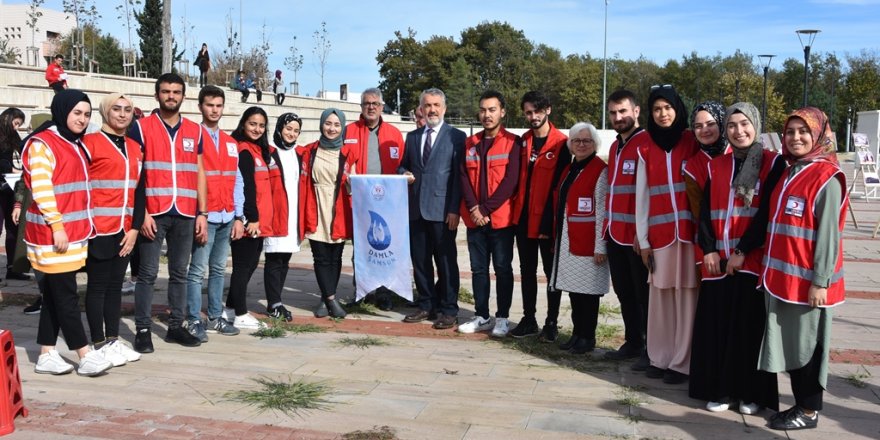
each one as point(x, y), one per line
point(642, 364)
point(281, 312)
point(673, 377)
point(526, 327)
point(549, 333)
point(34, 309)
point(143, 341)
point(654, 372)
point(179, 335)
point(626, 351)
point(17, 276)
point(795, 419)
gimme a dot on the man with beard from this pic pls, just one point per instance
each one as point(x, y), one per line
point(432, 158)
point(629, 276)
point(489, 177)
point(172, 197)
point(544, 156)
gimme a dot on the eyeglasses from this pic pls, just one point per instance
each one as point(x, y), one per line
point(661, 86)
point(706, 126)
point(582, 142)
point(371, 104)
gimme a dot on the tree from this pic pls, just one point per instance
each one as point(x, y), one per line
point(85, 13)
point(127, 10)
point(150, 32)
point(8, 53)
point(462, 88)
point(321, 51)
point(400, 68)
point(33, 16)
point(107, 50)
point(294, 62)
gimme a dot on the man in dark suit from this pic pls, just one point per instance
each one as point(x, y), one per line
point(432, 160)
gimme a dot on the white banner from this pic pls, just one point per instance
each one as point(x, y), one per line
point(381, 234)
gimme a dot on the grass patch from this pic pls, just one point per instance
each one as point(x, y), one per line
point(288, 398)
point(857, 379)
point(465, 295)
point(363, 308)
point(608, 311)
point(362, 342)
point(606, 334)
point(631, 399)
point(304, 328)
point(551, 352)
point(278, 328)
point(269, 331)
point(377, 433)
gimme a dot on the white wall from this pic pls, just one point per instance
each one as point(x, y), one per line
point(869, 123)
point(13, 27)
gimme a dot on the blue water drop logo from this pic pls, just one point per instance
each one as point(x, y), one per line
point(378, 234)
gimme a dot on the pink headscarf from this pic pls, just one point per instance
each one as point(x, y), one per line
point(824, 146)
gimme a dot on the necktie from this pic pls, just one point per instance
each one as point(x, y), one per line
point(426, 150)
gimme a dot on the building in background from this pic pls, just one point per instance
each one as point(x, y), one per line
point(39, 48)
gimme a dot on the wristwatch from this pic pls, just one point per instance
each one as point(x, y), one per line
point(240, 218)
point(203, 213)
point(737, 251)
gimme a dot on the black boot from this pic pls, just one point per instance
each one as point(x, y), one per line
point(565, 346)
point(335, 308)
point(583, 345)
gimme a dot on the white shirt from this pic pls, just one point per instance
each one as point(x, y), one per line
point(433, 137)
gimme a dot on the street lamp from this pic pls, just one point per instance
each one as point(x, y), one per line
point(765, 62)
point(605, 67)
point(809, 35)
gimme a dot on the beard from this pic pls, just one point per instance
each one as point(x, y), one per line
point(626, 125)
point(538, 124)
point(164, 106)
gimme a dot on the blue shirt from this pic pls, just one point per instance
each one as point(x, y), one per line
point(224, 216)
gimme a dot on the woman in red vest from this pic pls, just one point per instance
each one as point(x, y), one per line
point(802, 269)
point(729, 323)
point(59, 226)
point(114, 171)
point(579, 261)
point(265, 209)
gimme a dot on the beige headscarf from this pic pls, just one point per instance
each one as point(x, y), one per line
point(106, 105)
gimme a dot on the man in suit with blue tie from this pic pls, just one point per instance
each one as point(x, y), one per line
point(432, 160)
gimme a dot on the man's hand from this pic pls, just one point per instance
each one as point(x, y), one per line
point(59, 239)
point(201, 231)
point(452, 221)
point(128, 242)
point(409, 177)
point(148, 229)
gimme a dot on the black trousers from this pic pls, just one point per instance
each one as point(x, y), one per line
point(245, 258)
point(7, 200)
point(106, 271)
point(528, 250)
point(430, 243)
point(584, 314)
point(805, 384)
point(274, 275)
point(60, 311)
point(629, 277)
point(328, 265)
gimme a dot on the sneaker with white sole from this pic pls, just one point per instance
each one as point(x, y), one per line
point(476, 324)
point(125, 350)
point(93, 364)
point(221, 326)
point(197, 329)
point(246, 321)
point(111, 354)
point(749, 408)
point(717, 406)
point(502, 326)
point(52, 363)
point(128, 287)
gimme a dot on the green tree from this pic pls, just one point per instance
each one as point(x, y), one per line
point(107, 51)
point(861, 88)
point(150, 32)
point(462, 88)
point(399, 68)
point(8, 53)
point(580, 94)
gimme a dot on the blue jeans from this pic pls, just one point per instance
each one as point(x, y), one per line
point(212, 257)
point(485, 244)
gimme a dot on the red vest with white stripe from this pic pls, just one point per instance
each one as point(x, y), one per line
point(790, 246)
point(221, 165)
point(113, 178)
point(669, 216)
point(496, 167)
point(70, 184)
point(730, 218)
point(542, 176)
point(171, 165)
point(620, 203)
point(271, 196)
point(580, 209)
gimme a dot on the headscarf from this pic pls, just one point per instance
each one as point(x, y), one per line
point(824, 145)
point(105, 106)
point(278, 74)
point(283, 120)
point(716, 110)
point(333, 144)
point(62, 104)
point(745, 181)
point(666, 138)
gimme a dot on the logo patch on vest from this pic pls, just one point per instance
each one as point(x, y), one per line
point(231, 149)
point(472, 151)
point(795, 206)
point(585, 204)
point(629, 167)
point(549, 155)
point(351, 141)
point(395, 152)
point(189, 145)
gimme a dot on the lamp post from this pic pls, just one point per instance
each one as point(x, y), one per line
point(605, 67)
point(806, 37)
point(765, 63)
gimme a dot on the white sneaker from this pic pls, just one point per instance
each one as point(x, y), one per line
point(246, 321)
point(111, 354)
point(476, 324)
point(125, 350)
point(228, 314)
point(52, 363)
point(128, 287)
point(749, 408)
point(502, 326)
point(93, 364)
point(717, 406)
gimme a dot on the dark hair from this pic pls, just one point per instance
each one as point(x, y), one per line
point(211, 91)
point(58, 55)
point(621, 95)
point(239, 135)
point(488, 94)
point(170, 78)
point(537, 99)
point(9, 137)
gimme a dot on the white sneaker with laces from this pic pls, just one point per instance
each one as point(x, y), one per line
point(93, 364)
point(246, 321)
point(126, 351)
point(111, 354)
point(749, 408)
point(52, 363)
point(476, 324)
point(717, 406)
point(502, 326)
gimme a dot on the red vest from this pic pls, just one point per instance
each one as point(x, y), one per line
point(391, 146)
point(729, 217)
point(496, 165)
point(271, 196)
point(788, 260)
point(171, 165)
point(542, 176)
point(620, 203)
point(341, 225)
point(70, 182)
point(113, 178)
point(580, 209)
point(669, 217)
point(221, 165)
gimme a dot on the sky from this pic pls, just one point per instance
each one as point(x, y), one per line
point(656, 29)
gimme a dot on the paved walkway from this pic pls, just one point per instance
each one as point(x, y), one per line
point(425, 383)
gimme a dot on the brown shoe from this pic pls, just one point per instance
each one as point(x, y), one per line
point(444, 322)
point(417, 316)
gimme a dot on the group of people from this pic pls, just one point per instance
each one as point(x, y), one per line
point(719, 250)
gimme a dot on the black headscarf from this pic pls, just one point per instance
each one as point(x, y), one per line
point(332, 144)
point(283, 120)
point(666, 138)
point(62, 104)
point(716, 110)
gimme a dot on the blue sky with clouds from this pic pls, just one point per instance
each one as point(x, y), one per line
point(656, 29)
